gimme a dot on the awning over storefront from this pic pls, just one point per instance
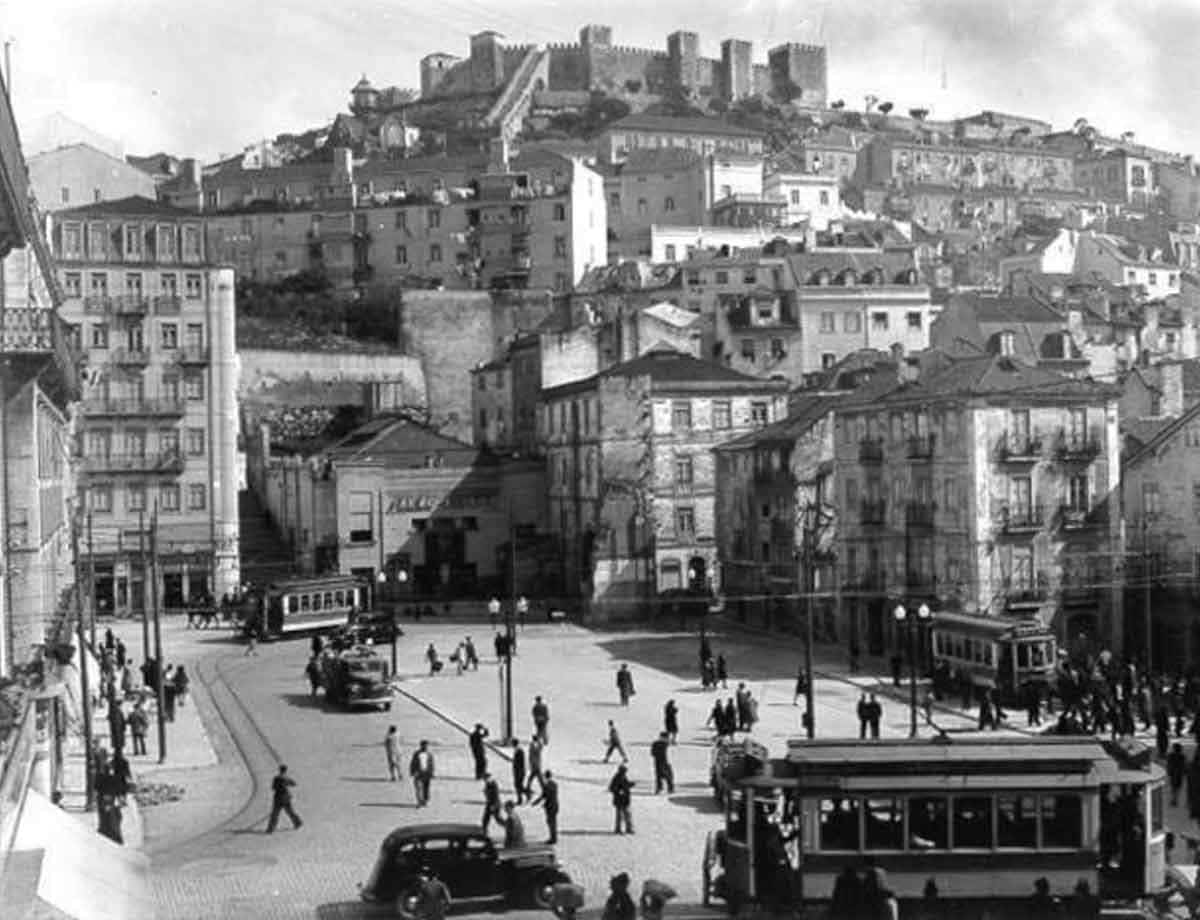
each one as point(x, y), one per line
point(82, 875)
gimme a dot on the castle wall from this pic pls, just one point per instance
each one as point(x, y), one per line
point(568, 67)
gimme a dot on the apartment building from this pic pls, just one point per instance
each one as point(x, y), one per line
point(980, 485)
point(157, 433)
point(630, 471)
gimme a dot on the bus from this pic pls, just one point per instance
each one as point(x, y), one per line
point(995, 653)
point(981, 817)
point(298, 605)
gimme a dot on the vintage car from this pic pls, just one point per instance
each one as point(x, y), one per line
point(468, 863)
point(356, 677)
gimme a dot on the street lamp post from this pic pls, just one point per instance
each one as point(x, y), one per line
point(401, 579)
point(913, 622)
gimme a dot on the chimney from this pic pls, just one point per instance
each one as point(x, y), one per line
point(1171, 381)
point(191, 171)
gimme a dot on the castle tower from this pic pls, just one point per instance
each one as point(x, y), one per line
point(683, 56)
point(798, 73)
point(487, 61)
point(364, 97)
point(737, 72)
point(595, 36)
point(595, 41)
point(434, 68)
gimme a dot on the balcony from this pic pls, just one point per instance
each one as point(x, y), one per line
point(920, 514)
point(870, 450)
point(1021, 519)
point(1025, 597)
point(38, 344)
point(117, 305)
point(192, 356)
point(872, 512)
point(1018, 449)
point(1070, 448)
point(167, 463)
point(138, 406)
point(1074, 518)
point(920, 447)
point(131, 357)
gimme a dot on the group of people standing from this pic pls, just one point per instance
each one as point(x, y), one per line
point(738, 713)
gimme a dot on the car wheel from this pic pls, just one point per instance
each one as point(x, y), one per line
point(408, 904)
point(541, 892)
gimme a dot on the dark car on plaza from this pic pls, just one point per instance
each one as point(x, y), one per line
point(467, 862)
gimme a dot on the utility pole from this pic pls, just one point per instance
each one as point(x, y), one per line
point(1147, 625)
point(158, 656)
point(808, 587)
point(509, 634)
point(145, 575)
point(84, 684)
point(91, 575)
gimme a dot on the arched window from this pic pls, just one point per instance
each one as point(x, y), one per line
point(669, 204)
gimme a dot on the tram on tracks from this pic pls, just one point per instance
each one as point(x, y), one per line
point(983, 818)
point(301, 605)
point(1003, 654)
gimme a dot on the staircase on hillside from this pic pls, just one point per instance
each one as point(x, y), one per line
point(264, 554)
point(510, 110)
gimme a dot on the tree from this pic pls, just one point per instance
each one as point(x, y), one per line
point(1081, 126)
point(886, 108)
point(918, 114)
point(838, 104)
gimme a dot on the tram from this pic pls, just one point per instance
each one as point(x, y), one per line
point(298, 605)
point(996, 653)
point(982, 818)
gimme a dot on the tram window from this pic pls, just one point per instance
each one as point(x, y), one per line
point(1022, 656)
point(989, 654)
point(884, 822)
point(959, 647)
point(972, 822)
point(304, 602)
point(316, 601)
point(1016, 821)
point(293, 604)
point(839, 824)
point(927, 823)
point(1040, 654)
point(329, 600)
point(1062, 822)
point(340, 597)
point(1156, 808)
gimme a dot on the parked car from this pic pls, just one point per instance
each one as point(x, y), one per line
point(468, 862)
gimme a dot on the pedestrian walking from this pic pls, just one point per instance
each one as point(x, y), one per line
point(801, 685)
point(741, 709)
point(1162, 728)
point(671, 721)
point(624, 684)
point(514, 827)
point(139, 724)
point(251, 645)
point(472, 654)
point(122, 776)
point(927, 706)
point(874, 715)
point(168, 694)
point(731, 717)
point(281, 800)
point(541, 719)
point(664, 775)
point(619, 905)
point(1176, 771)
point(708, 674)
point(459, 658)
point(122, 654)
point(478, 750)
point(431, 656)
point(316, 644)
point(312, 671)
point(110, 640)
point(491, 802)
point(420, 768)
point(614, 743)
point(116, 726)
point(519, 772)
point(621, 789)
point(391, 749)
point(722, 672)
point(549, 802)
point(536, 746)
point(183, 683)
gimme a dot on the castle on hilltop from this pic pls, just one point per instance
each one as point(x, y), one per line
point(793, 71)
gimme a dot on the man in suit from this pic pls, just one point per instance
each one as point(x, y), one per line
point(518, 772)
point(420, 768)
point(281, 800)
point(549, 802)
point(491, 802)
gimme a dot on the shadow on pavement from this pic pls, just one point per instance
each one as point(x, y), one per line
point(303, 700)
point(677, 654)
point(705, 804)
point(586, 833)
point(366, 779)
point(387, 804)
point(345, 910)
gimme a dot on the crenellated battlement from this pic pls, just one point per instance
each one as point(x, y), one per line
point(571, 47)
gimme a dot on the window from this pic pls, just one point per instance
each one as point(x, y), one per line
point(883, 821)
point(758, 413)
point(852, 322)
point(561, 281)
point(560, 247)
point(749, 276)
point(669, 204)
point(135, 497)
point(914, 319)
point(401, 255)
point(879, 321)
point(133, 284)
point(828, 360)
point(73, 284)
point(101, 496)
point(1016, 821)
point(1077, 493)
point(169, 336)
point(749, 350)
point(778, 351)
point(361, 517)
point(99, 335)
point(193, 286)
point(168, 496)
point(483, 420)
point(193, 386)
point(560, 212)
point(972, 822)
point(683, 471)
point(685, 523)
point(401, 220)
point(433, 218)
point(837, 827)
point(928, 828)
point(641, 207)
point(1062, 821)
point(435, 252)
point(823, 197)
point(1149, 496)
point(195, 442)
point(133, 242)
point(722, 277)
point(168, 441)
point(828, 322)
point(98, 284)
point(669, 252)
point(614, 201)
point(721, 415)
point(191, 243)
point(197, 496)
point(681, 416)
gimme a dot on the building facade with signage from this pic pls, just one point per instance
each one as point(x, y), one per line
point(412, 512)
point(157, 435)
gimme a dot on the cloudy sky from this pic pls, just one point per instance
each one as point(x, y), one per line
point(210, 76)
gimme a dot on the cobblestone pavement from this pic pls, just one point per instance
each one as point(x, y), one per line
point(213, 859)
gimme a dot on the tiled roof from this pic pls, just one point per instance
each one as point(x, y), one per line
point(804, 413)
point(895, 263)
point(681, 125)
point(658, 158)
point(1164, 434)
point(134, 206)
point(1141, 431)
point(666, 366)
point(628, 276)
point(1006, 309)
point(389, 436)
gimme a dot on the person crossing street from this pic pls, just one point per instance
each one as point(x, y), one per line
point(281, 800)
point(614, 743)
